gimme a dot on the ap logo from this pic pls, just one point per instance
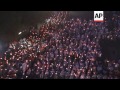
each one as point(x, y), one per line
point(98, 16)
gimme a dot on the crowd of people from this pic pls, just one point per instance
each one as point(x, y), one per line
point(61, 49)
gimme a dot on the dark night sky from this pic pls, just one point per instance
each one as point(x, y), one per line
point(12, 21)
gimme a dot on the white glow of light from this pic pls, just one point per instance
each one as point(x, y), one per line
point(19, 33)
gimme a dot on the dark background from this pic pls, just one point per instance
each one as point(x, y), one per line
point(11, 22)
